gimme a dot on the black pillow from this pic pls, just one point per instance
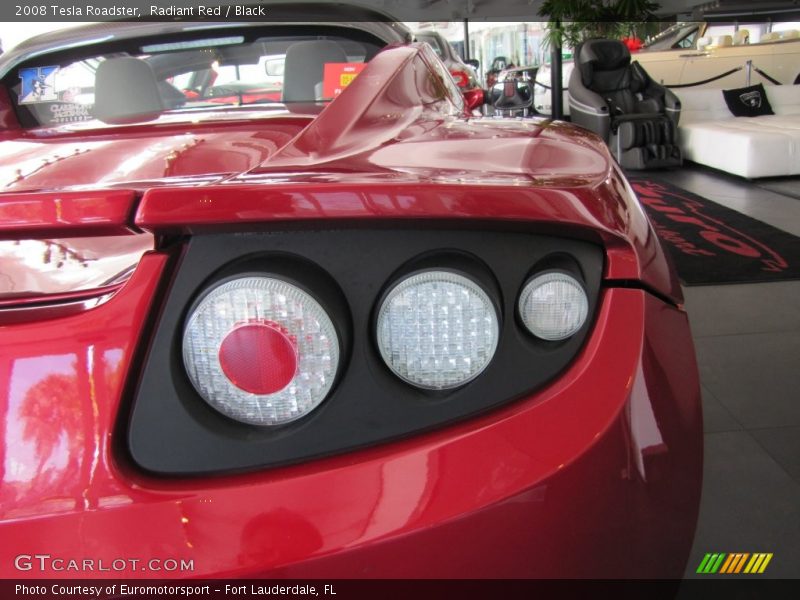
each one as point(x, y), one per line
point(748, 101)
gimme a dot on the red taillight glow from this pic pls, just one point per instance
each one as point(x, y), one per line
point(258, 357)
point(461, 77)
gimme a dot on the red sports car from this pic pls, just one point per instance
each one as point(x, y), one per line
point(349, 332)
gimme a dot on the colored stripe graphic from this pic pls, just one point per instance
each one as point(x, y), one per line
point(735, 563)
point(758, 563)
point(715, 566)
point(754, 562)
point(727, 564)
point(711, 563)
point(764, 564)
point(741, 562)
point(704, 563)
point(731, 564)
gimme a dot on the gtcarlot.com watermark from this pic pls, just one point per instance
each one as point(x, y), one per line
point(46, 563)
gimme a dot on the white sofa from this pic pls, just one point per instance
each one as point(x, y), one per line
point(764, 146)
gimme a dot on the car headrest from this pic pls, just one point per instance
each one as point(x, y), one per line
point(126, 90)
point(304, 66)
point(601, 55)
point(741, 37)
point(722, 40)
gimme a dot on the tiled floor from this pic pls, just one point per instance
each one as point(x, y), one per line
point(748, 346)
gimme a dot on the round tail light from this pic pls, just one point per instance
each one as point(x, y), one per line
point(260, 350)
point(437, 329)
point(553, 305)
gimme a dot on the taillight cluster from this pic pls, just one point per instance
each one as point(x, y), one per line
point(281, 346)
point(262, 350)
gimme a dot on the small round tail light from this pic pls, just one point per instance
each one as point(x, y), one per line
point(261, 350)
point(553, 305)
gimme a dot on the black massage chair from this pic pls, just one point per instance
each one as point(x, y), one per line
point(616, 99)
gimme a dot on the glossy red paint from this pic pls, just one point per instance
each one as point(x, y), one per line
point(598, 474)
point(602, 213)
point(600, 441)
point(66, 269)
point(136, 156)
point(474, 99)
point(65, 214)
point(60, 384)
point(30, 301)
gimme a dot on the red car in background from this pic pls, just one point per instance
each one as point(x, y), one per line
point(367, 336)
point(463, 74)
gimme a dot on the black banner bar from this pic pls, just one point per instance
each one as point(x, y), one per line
point(729, 588)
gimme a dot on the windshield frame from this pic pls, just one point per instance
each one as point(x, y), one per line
point(133, 46)
point(673, 34)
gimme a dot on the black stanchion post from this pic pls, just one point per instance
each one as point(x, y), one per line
point(466, 40)
point(556, 89)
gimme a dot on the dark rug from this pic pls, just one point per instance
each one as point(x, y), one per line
point(712, 244)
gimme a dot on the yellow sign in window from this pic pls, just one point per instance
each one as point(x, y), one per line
point(346, 78)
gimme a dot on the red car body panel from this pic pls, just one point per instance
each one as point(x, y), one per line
point(633, 252)
point(67, 214)
point(550, 473)
point(137, 156)
point(595, 475)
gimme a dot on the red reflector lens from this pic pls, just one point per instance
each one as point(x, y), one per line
point(258, 358)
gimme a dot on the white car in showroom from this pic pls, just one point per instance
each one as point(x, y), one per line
point(708, 55)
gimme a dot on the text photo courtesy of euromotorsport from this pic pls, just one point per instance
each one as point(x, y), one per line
point(188, 590)
point(91, 10)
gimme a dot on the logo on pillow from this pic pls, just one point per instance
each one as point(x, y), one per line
point(751, 99)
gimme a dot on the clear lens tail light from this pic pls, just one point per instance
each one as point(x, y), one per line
point(261, 350)
point(437, 329)
point(553, 305)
